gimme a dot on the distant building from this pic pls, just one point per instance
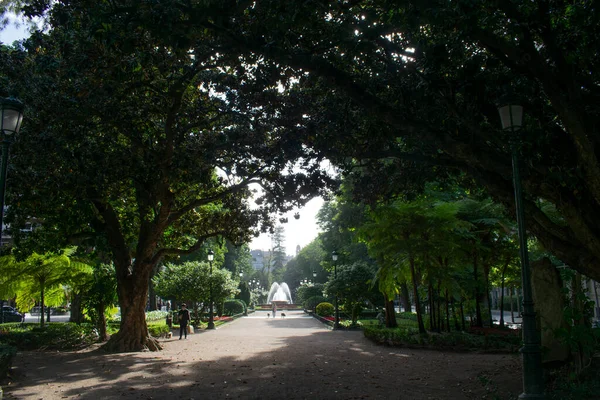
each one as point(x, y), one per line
point(260, 258)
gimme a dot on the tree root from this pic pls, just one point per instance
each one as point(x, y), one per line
point(125, 344)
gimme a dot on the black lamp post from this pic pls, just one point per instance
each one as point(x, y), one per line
point(336, 324)
point(211, 321)
point(247, 305)
point(533, 380)
point(11, 118)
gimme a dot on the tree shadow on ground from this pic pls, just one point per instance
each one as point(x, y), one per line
point(258, 360)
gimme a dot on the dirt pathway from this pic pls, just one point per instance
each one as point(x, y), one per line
point(259, 358)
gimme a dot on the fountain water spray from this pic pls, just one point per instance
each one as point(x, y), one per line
point(279, 293)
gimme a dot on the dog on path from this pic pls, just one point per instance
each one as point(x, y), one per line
point(268, 315)
point(282, 315)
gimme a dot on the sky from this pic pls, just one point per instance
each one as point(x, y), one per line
point(11, 33)
point(297, 231)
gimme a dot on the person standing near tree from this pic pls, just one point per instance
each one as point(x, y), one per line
point(183, 316)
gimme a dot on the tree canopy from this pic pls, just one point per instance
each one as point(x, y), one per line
point(411, 89)
point(147, 132)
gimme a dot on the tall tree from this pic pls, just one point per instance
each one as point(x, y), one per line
point(43, 277)
point(278, 252)
point(411, 89)
point(145, 127)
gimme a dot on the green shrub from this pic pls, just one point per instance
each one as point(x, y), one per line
point(406, 336)
point(158, 329)
point(407, 315)
point(6, 356)
point(312, 302)
point(324, 309)
point(54, 336)
point(233, 307)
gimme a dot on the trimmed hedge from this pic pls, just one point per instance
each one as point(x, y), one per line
point(233, 307)
point(324, 309)
point(460, 341)
point(158, 329)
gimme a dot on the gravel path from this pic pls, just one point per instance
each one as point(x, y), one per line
point(257, 357)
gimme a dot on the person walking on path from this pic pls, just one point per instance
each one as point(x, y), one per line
point(184, 318)
point(274, 310)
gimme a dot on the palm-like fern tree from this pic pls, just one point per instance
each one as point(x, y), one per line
point(43, 277)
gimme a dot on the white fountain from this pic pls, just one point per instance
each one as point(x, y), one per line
point(279, 293)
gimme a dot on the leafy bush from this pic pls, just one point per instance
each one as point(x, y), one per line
point(406, 336)
point(6, 355)
point(158, 329)
point(324, 309)
point(54, 336)
point(233, 307)
point(312, 302)
point(407, 315)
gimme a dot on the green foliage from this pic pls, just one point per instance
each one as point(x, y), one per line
point(455, 340)
point(307, 291)
point(43, 276)
point(190, 282)
point(564, 384)
point(158, 329)
point(353, 284)
point(54, 336)
point(305, 263)
point(245, 294)
point(100, 295)
point(312, 302)
point(324, 309)
point(233, 307)
point(171, 107)
point(407, 315)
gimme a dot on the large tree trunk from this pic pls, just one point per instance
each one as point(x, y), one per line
point(101, 323)
point(76, 312)
point(405, 297)
point(390, 314)
point(132, 289)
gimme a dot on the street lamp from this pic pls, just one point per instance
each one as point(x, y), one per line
point(10, 120)
point(211, 322)
point(336, 324)
point(247, 305)
point(533, 380)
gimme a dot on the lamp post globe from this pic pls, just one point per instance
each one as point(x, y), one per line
point(511, 115)
point(10, 124)
point(211, 321)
